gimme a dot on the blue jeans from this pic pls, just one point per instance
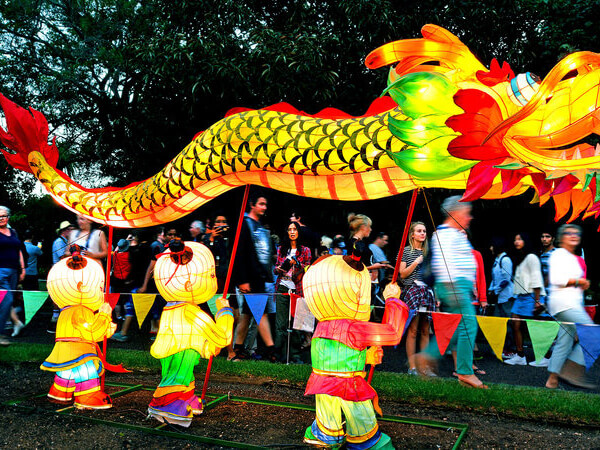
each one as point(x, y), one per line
point(456, 299)
point(8, 283)
point(563, 348)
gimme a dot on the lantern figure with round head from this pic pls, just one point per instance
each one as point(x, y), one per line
point(338, 292)
point(185, 277)
point(76, 286)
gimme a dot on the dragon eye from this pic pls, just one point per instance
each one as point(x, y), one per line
point(522, 87)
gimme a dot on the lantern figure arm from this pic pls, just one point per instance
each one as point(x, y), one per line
point(92, 327)
point(388, 332)
point(217, 334)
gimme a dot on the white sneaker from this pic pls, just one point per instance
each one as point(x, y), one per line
point(508, 355)
point(17, 329)
point(543, 363)
point(516, 360)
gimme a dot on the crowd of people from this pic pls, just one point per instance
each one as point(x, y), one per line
point(442, 272)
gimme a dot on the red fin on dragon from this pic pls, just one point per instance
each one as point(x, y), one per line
point(446, 121)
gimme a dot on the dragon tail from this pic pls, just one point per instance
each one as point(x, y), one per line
point(26, 132)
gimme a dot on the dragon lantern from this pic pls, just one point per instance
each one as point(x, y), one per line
point(448, 122)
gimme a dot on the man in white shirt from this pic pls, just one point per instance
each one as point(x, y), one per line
point(454, 268)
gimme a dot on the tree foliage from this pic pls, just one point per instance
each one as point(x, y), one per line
point(126, 84)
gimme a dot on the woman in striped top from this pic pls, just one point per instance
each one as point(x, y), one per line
point(416, 294)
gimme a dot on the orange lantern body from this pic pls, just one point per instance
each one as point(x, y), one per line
point(344, 341)
point(76, 286)
point(186, 278)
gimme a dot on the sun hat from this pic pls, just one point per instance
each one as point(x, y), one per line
point(63, 226)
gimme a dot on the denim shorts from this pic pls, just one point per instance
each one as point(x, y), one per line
point(525, 304)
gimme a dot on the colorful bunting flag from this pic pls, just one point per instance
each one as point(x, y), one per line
point(32, 302)
point(494, 330)
point(257, 303)
point(591, 310)
point(542, 334)
point(142, 303)
point(589, 339)
point(444, 325)
point(111, 299)
point(2, 294)
point(212, 303)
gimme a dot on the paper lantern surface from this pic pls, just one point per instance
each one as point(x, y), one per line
point(343, 342)
point(193, 282)
point(72, 287)
point(449, 121)
point(337, 291)
point(76, 286)
point(185, 278)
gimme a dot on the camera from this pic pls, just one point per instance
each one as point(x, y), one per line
point(221, 228)
point(286, 265)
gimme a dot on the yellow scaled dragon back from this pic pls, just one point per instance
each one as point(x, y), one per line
point(452, 123)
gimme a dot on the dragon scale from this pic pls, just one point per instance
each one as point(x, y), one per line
point(274, 149)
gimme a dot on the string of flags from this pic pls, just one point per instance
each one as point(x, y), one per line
point(541, 332)
point(142, 304)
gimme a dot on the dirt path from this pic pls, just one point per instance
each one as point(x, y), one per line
point(245, 422)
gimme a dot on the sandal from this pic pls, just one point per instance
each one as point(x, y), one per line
point(462, 379)
point(476, 371)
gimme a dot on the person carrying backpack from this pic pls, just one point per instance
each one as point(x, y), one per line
point(501, 289)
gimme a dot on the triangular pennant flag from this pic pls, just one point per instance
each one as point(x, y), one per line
point(212, 304)
point(293, 299)
point(444, 326)
point(257, 303)
point(494, 330)
point(2, 294)
point(591, 310)
point(542, 334)
point(32, 302)
point(411, 314)
point(111, 299)
point(142, 304)
point(589, 339)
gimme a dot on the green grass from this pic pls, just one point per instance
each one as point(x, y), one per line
point(529, 403)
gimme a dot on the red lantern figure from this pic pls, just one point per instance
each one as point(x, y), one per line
point(338, 292)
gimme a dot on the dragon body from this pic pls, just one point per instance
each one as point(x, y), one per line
point(451, 124)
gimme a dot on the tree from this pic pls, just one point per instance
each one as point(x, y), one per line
point(126, 84)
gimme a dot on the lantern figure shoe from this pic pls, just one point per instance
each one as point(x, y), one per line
point(185, 277)
point(76, 286)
